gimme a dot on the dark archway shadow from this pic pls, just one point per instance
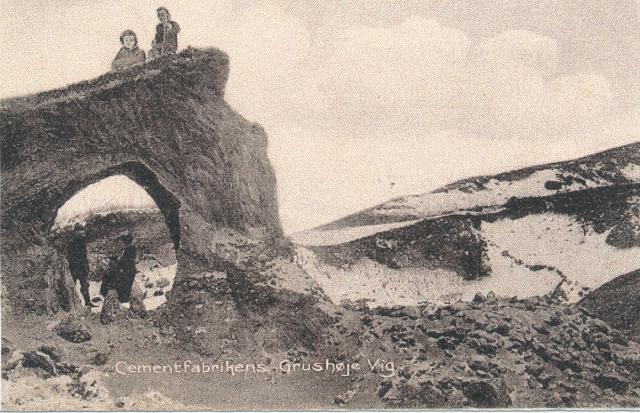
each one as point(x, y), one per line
point(167, 204)
point(142, 175)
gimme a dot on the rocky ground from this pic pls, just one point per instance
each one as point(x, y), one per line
point(506, 353)
point(259, 307)
point(488, 338)
point(66, 370)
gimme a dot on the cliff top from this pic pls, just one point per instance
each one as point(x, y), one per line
point(210, 62)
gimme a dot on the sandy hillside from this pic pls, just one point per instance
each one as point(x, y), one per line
point(566, 228)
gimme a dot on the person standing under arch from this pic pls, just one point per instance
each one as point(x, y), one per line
point(122, 272)
point(126, 270)
point(79, 262)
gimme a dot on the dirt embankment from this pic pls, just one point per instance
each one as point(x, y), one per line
point(166, 126)
point(493, 352)
point(618, 303)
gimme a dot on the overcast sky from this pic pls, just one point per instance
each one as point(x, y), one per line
point(366, 100)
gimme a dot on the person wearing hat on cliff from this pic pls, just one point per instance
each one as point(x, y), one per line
point(130, 54)
point(166, 40)
point(79, 263)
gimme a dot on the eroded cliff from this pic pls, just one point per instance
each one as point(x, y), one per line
point(166, 126)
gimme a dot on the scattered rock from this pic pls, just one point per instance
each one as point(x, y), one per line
point(534, 369)
point(51, 351)
point(384, 387)
point(501, 328)
point(612, 380)
point(52, 325)
point(7, 348)
point(66, 368)
point(553, 185)
point(110, 308)
point(342, 399)
point(38, 359)
point(99, 359)
point(163, 282)
point(486, 395)
point(72, 330)
point(466, 356)
point(89, 385)
point(120, 402)
point(479, 298)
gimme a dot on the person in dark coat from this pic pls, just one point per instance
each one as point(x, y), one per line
point(126, 269)
point(79, 263)
point(166, 39)
point(130, 54)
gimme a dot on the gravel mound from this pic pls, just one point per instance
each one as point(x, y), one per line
point(500, 353)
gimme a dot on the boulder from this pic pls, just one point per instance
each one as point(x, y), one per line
point(90, 386)
point(137, 301)
point(51, 351)
point(110, 308)
point(609, 379)
point(485, 394)
point(99, 358)
point(7, 347)
point(39, 360)
point(344, 398)
point(479, 298)
point(72, 330)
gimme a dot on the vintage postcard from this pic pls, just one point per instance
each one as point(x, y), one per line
point(320, 204)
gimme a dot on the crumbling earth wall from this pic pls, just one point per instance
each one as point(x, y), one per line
point(166, 126)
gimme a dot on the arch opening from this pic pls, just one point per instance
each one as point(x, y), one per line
point(91, 230)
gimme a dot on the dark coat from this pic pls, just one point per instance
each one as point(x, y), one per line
point(126, 273)
point(167, 41)
point(128, 57)
point(121, 275)
point(77, 257)
point(127, 262)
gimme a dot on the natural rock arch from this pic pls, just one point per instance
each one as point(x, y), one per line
point(166, 126)
point(139, 173)
point(153, 220)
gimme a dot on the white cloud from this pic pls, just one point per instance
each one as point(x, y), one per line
point(269, 52)
point(521, 48)
point(388, 77)
point(354, 101)
point(579, 104)
point(516, 92)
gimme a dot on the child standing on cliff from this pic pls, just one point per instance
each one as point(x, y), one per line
point(129, 54)
point(166, 40)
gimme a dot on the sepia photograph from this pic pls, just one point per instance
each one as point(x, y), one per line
point(297, 205)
